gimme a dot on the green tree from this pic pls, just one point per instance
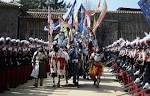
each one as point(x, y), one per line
point(42, 4)
point(56, 5)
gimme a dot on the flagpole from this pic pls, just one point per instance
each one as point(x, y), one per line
point(49, 27)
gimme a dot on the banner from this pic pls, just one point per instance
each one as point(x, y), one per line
point(101, 17)
point(145, 7)
point(69, 12)
point(80, 20)
point(94, 22)
point(50, 29)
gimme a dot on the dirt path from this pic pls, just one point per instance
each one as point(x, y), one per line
point(108, 87)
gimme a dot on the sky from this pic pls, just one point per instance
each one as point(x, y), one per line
point(112, 4)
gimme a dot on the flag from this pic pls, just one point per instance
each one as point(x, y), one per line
point(88, 21)
point(145, 7)
point(101, 17)
point(81, 20)
point(85, 22)
point(50, 30)
point(69, 12)
point(99, 3)
point(70, 22)
point(87, 13)
point(85, 25)
point(46, 29)
point(87, 16)
point(94, 22)
point(75, 15)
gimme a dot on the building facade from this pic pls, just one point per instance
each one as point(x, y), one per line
point(9, 19)
point(127, 24)
point(33, 22)
point(16, 23)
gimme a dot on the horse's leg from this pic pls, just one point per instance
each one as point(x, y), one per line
point(66, 74)
point(98, 81)
point(77, 83)
point(66, 80)
point(53, 81)
point(58, 84)
point(94, 79)
point(77, 76)
point(74, 73)
point(74, 79)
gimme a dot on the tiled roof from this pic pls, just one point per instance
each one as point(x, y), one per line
point(45, 10)
point(42, 13)
point(121, 11)
point(5, 4)
point(126, 12)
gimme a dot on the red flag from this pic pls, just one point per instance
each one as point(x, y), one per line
point(99, 3)
point(101, 17)
point(85, 22)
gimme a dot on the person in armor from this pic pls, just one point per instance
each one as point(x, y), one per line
point(74, 64)
point(38, 63)
point(96, 68)
point(58, 62)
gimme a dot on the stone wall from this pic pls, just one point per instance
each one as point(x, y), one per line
point(117, 24)
point(122, 24)
point(9, 21)
point(33, 28)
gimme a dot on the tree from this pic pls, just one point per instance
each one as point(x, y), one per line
point(56, 5)
point(42, 4)
point(33, 4)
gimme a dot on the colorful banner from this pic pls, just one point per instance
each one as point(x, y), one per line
point(101, 17)
point(69, 12)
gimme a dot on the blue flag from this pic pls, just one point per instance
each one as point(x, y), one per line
point(69, 12)
point(70, 22)
point(81, 20)
point(145, 7)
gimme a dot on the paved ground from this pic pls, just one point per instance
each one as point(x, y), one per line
point(108, 87)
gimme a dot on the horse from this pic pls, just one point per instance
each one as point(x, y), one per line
point(75, 65)
point(96, 68)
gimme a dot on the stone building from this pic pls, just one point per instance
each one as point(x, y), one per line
point(33, 22)
point(9, 13)
point(124, 23)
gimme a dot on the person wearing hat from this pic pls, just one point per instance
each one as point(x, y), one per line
point(2, 65)
point(7, 55)
point(13, 55)
point(38, 63)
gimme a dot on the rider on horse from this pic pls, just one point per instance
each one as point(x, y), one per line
point(96, 68)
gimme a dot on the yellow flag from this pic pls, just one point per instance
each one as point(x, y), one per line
point(94, 22)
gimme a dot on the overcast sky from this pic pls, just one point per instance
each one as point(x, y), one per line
point(112, 4)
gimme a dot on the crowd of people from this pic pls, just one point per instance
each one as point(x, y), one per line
point(73, 54)
point(15, 60)
point(130, 63)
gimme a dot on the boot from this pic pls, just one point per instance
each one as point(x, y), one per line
point(36, 83)
point(41, 81)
